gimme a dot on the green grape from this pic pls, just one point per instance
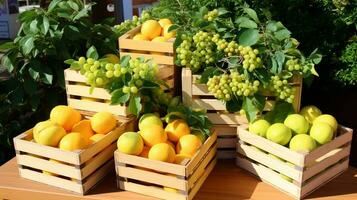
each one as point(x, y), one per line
point(90, 61)
point(117, 73)
point(99, 81)
point(134, 89)
point(109, 66)
point(282, 89)
point(109, 74)
point(82, 60)
point(123, 70)
point(126, 89)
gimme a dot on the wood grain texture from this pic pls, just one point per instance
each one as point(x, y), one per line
point(226, 182)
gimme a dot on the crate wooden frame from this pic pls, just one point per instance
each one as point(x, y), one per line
point(85, 167)
point(162, 53)
point(197, 95)
point(187, 178)
point(311, 171)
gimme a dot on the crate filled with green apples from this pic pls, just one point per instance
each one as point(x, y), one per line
point(298, 153)
point(169, 160)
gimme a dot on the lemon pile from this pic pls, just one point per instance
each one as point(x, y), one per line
point(68, 131)
point(156, 31)
point(173, 143)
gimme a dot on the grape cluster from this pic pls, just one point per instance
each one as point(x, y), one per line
point(229, 48)
point(162, 97)
point(283, 89)
point(226, 85)
point(251, 59)
point(211, 15)
point(136, 21)
point(293, 65)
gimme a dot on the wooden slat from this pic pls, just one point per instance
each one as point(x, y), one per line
point(269, 176)
point(150, 191)
point(324, 178)
point(298, 93)
point(72, 75)
point(129, 44)
point(215, 104)
point(226, 153)
point(149, 164)
point(152, 177)
point(51, 180)
point(271, 147)
point(186, 86)
point(200, 90)
point(233, 119)
point(335, 156)
point(166, 71)
point(191, 166)
point(95, 178)
point(158, 59)
point(46, 151)
point(97, 107)
point(226, 142)
point(200, 182)
point(225, 130)
point(83, 91)
point(98, 160)
point(345, 138)
point(211, 155)
point(109, 138)
point(41, 164)
point(272, 163)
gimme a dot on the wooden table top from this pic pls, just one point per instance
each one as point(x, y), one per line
point(226, 182)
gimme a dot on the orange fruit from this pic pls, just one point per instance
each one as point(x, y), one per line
point(74, 141)
point(166, 33)
point(96, 137)
point(151, 29)
point(50, 135)
point(130, 143)
point(65, 116)
point(145, 152)
point(84, 128)
point(188, 144)
point(164, 22)
point(176, 129)
point(170, 143)
point(153, 134)
point(180, 157)
point(103, 122)
point(162, 152)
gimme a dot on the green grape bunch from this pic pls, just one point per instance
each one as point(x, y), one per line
point(282, 89)
point(293, 65)
point(211, 15)
point(134, 22)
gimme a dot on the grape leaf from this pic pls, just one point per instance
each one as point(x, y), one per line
point(119, 97)
point(280, 111)
point(249, 108)
point(92, 53)
point(135, 105)
point(234, 105)
point(249, 37)
point(252, 14)
point(124, 61)
point(208, 73)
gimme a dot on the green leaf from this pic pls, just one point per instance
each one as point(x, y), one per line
point(34, 71)
point(244, 22)
point(33, 26)
point(73, 5)
point(280, 58)
point(92, 53)
point(208, 73)
point(280, 111)
point(75, 65)
point(173, 28)
point(135, 105)
point(53, 5)
point(47, 75)
point(149, 85)
point(6, 46)
point(234, 105)
point(30, 86)
point(282, 34)
point(315, 57)
point(271, 26)
point(259, 102)
point(249, 108)
point(124, 61)
point(249, 37)
point(81, 14)
point(46, 25)
point(7, 62)
point(119, 97)
point(274, 65)
point(262, 75)
point(252, 14)
point(69, 61)
point(313, 70)
point(222, 11)
point(28, 45)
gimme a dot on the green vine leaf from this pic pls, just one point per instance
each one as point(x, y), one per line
point(92, 53)
point(249, 108)
point(280, 111)
point(252, 14)
point(249, 37)
point(135, 105)
point(119, 97)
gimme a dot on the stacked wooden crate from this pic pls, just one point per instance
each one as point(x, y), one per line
point(297, 174)
point(225, 123)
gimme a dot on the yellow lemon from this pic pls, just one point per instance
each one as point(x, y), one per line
point(162, 152)
point(176, 129)
point(130, 143)
point(188, 144)
point(164, 22)
point(166, 33)
point(141, 37)
point(73, 141)
point(51, 135)
point(39, 127)
point(84, 128)
point(65, 116)
point(96, 137)
point(170, 143)
point(181, 157)
point(153, 134)
point(159, 39)
point(151, 29)
point(103, 122)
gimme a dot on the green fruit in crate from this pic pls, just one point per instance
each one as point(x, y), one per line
point(130, 143)
point(51, 135)
point(302, 143)
point(329, 119)
point(310, 113)
point(297, 123)
point(148, 120)
point(259, 127)
point(321, 132)
point(279, 133)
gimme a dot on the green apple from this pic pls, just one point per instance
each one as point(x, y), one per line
point(329, 119)
point(279, 133)
point(148, 120)
point(297, 123)
point(310, 113)
point(259, 127)
point(321, 132)
point(302, 143)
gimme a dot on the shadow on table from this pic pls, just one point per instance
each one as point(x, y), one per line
point(236, 185)
point(108, 187)
point(344, 184)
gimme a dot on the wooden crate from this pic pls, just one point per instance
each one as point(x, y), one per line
point(187, 178)
point(162, 53)
point(308, 171)
point(197, 95)
point(77, 171)
point(77, 88)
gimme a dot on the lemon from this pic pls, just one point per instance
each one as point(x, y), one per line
point(162, 152)
point(39, 127)
point(188, 145)
point(164, 22)
point(73, 141)
point(159, 39)
point(151, 29)
point(50, 135)
point(141, 37)
point(103, 122)
point(167, 34)
point(96, 137)
point(153, 134)
point(65, 116)
point(83, 127)
point(130, 143)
